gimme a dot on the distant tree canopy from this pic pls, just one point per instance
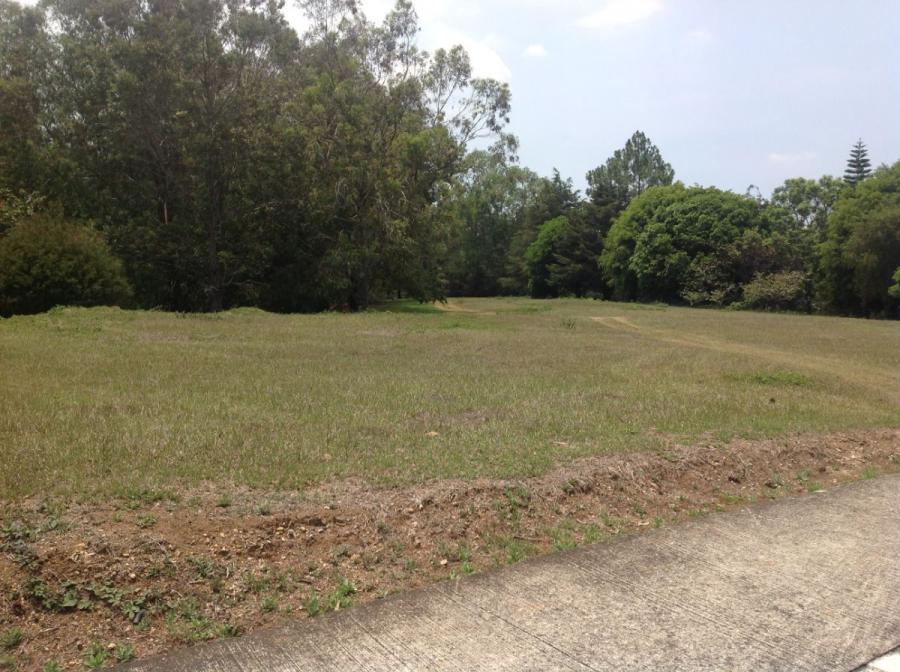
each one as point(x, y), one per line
point(200, 154)
point(695, 244)
point(628, 173)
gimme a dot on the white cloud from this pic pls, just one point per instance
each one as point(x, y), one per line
point(787, 157)
point(535, 51)
point(621, 12)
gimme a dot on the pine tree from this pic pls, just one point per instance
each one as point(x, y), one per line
point(858, 165)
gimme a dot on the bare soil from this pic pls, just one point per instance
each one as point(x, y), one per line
point(163, 570)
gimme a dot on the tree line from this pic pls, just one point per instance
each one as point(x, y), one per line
point(200, 154)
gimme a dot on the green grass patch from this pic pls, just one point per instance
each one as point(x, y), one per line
point(779, 379)
point(139, 405)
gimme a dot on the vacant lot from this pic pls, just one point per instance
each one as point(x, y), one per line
point(169, 479)
point(109, 402)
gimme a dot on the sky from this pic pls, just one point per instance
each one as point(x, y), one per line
point(733, 93)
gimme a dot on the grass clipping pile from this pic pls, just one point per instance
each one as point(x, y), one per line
point(91, 585)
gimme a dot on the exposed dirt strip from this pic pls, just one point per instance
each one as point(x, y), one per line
point(160, 571)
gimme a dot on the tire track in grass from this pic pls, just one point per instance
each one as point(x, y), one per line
point(884, 383)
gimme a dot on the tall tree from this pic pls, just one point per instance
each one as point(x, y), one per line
point(628, 173)
point(858, 165)
point(861, 252)
point(809, 202)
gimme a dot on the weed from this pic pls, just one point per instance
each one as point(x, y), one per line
point(268, 604)
point(339, 553)
point(516, 550)
point(311, 606)
point(731, 499)
point(467, 567)
point(592, 534)
point(657, 523)
point(869, 473)
point(614, 523)
point(123, 653)
point(341, 598)
point(204, 568)
point(223, 501)
point(569, 323)
point(145, 521)
point(96, 657)
point(188, 624)
point(11, 638)
point(514, 500)
point(812, 486)
point(8, 663)
point(51, 666)
point(562, 537)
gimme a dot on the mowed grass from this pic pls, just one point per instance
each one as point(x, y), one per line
point(103, 402)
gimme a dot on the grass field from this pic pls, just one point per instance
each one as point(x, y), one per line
point(102, 402)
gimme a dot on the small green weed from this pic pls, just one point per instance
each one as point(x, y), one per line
point(123, 653)
point(145, 521)
point(311, 606)
point(96, 657)
point(869, 473)
point(11, 638)
point(341, 598)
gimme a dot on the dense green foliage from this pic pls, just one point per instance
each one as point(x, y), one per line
point(232, 162)
point(861, 252)
point(227, 160)
point(46, 262)
point(696, 244)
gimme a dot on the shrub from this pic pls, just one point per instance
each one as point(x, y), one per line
point(787, 290)
point(894, 290)
point(46, 261)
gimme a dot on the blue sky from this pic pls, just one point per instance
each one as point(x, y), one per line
point(733, 93)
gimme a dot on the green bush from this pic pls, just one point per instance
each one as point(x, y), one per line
point(894, 290)
point(46, 261)
point(788, 290)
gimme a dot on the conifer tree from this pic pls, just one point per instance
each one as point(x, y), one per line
point(858, 165)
